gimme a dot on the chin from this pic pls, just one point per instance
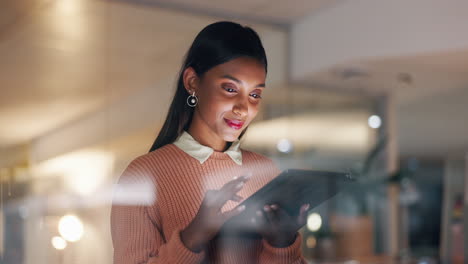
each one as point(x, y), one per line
point(230, 137)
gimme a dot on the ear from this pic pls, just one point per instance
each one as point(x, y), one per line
point(190, 79)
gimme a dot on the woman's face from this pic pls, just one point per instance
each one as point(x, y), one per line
point(229, 97)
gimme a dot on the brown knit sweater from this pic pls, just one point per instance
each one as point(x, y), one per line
point(150, 232)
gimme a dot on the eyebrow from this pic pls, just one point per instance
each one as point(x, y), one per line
point(239, 82)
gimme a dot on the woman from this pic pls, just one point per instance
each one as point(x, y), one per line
point(198, 169)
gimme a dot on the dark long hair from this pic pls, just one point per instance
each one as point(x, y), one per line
point(216, 44)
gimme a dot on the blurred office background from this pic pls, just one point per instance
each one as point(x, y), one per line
point(379, 88)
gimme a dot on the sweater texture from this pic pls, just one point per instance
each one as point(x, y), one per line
point(148, 230)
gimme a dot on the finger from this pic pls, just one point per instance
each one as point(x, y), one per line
point(302, 218)
point(211, 197)
point(245, 176)
point(215, 199)
point(227, 194)
point(260, 216)
point(260, 220)
point(280, 213)
point(236, 182)
point(270, 215)
point(235, 211)
point(230, 189)
point(237, 198)
point(257, 222)
point(230, 185)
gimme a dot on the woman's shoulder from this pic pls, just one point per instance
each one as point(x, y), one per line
point(150, 160)
point(165, 152)
point(138, 181)
point(150, 168)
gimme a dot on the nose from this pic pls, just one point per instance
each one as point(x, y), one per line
point(240, 109)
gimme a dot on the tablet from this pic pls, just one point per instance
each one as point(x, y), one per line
point(290, 190)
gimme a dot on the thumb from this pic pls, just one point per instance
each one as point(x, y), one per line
point(302, 218)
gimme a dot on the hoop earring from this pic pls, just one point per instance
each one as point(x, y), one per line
point(192, 100)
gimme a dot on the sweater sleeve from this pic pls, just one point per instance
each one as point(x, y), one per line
point(288, 255)
point(136, 236)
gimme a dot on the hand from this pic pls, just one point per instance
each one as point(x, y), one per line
point(209, 218)
point(277, 227)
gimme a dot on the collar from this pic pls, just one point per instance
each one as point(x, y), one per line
point(201, 152)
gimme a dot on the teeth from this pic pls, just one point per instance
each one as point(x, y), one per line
point(236, 122)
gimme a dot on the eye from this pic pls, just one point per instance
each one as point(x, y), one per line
point(229, 88)
point(256, 96)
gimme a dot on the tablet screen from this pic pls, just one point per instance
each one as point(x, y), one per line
point(290, 190)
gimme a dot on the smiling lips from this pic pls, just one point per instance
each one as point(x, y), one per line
point(236, 124)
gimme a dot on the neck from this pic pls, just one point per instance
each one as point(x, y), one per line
point(208, 139)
